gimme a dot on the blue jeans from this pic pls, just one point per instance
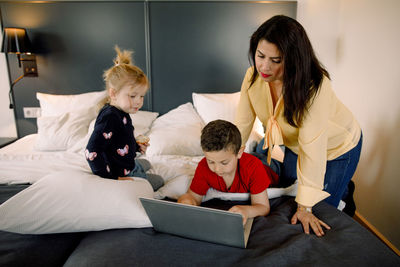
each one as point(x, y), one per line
point(138, 171)
point(339, 171)
point(141, 167)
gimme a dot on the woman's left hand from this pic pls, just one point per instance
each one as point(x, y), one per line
point(308, 219)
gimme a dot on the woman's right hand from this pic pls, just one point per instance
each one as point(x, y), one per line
point(308, 219)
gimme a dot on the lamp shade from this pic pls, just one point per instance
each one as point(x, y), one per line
point(15, 40)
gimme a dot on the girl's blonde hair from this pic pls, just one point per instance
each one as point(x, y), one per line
point(122, 73)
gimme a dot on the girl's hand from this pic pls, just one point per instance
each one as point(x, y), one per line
point(308, 219)
point(143, 142)
point(143, 147)
point(240, 210)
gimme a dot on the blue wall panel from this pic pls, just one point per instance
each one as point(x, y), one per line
point(202, 47)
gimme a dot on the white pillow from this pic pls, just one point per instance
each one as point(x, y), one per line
point(174, 188)
point(62, 132)
point(214, 193)
point(71, 201)
point(272, 192)
point(216, 106)
point(176, 133)
point(223, 106)
point(178, 186)
point(80, 145)
point(55, 105)
point(142, 121)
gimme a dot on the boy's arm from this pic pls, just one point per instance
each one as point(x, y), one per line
point(259, 206)
point(190, 198)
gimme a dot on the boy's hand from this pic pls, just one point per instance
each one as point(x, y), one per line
point(240, 210)
point(187, 200)
point(259, 206)
point(190, 198)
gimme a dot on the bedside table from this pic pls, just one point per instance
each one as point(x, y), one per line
point(7, 140)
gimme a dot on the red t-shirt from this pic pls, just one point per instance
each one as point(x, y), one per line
point(251, 177)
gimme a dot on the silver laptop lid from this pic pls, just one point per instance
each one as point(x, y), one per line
point(212, 225)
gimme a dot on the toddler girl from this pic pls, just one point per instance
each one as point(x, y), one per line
point(112, 147)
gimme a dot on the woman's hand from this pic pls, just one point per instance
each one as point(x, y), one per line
point(308, 219)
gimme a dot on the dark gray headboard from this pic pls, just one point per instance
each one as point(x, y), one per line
point(183, 46)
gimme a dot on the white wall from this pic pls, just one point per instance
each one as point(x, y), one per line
point(359, 43)
point(7, 123)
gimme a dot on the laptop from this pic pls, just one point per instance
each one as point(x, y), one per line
point(200, 223)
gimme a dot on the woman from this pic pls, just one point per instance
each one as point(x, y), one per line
point(290, 92)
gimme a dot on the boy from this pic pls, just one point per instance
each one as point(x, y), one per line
point(227, 168)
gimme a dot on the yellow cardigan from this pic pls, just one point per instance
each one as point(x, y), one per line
point(328, 130)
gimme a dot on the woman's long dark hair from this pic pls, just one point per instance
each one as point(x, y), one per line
point(302, 74)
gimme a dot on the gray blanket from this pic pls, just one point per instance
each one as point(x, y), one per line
point(273, 242)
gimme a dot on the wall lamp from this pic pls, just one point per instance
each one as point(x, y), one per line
point(16, 41)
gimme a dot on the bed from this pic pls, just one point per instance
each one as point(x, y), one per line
point(54, 212)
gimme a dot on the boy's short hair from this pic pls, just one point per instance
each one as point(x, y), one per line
point(220, 135)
